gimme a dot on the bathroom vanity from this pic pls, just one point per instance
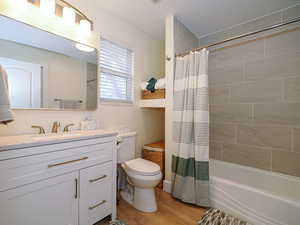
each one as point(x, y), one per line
point(63, 179)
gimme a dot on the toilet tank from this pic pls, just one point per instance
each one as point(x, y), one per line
point(126, 146)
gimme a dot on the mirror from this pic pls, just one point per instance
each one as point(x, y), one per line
point(46, 71)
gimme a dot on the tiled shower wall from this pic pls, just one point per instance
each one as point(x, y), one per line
point(255, 96)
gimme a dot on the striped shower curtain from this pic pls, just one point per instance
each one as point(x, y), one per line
point(190, 160)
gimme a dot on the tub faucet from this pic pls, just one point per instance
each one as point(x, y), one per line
point(55, 127)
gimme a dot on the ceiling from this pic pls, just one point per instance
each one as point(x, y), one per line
point(200, 16)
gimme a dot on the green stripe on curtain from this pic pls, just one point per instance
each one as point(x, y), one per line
point(190, 167)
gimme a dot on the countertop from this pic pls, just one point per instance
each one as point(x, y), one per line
point(32, 140)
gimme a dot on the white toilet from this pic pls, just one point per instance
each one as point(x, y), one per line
point(142, 174)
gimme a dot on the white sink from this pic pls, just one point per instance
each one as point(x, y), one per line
point(55, 136)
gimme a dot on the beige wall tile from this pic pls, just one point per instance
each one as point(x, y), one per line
point(296, 140)
point(257, 92)
point(292, 89)
point(286, 42)
point(286, 162)
point(273, 137)
point(238, 53)
point(255, 95)
point(212, 60)
point(225, 133)
point(247, 156)
point(215, 150)
point(225, 75)
point(230, 113)
point(279, 113)
point(273, 67)
point(218, 95)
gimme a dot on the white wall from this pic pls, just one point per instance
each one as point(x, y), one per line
point(148, 61)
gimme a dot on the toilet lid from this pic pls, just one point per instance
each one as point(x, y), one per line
point(142, 167)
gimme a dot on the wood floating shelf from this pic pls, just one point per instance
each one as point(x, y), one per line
point(157, 94)
point(154, 99)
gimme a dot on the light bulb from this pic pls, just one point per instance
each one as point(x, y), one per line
point(69, 16)
point(48, 7)
point(84, 48)
point(85, 27)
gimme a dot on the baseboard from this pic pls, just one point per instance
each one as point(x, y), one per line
point(167, 186)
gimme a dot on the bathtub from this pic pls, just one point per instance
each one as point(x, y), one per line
point(257, 196)
point(260, 197)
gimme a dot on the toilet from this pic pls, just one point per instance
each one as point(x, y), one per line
point(142, 174)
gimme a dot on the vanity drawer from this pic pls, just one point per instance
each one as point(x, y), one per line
point(24, 170)
point(95, 193)
point(47, 148)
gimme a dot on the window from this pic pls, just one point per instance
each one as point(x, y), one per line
point(116, 72)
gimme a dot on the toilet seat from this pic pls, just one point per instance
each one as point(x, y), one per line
point(142, 167)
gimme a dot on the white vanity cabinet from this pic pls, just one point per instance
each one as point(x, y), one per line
point(45, 202)
point(69, 182)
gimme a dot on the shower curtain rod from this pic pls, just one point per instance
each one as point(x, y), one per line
point(238, 37)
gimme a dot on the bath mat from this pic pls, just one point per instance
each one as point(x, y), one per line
point(217, 217)
point(117, 222)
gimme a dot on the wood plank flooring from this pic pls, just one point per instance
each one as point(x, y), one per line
point(170, 212)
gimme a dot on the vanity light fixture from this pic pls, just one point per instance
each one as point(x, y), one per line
point(61, 8)
point(84, 48)
point(69, 16)
point(48, 7)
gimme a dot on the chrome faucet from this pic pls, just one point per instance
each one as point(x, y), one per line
point(66, 129)
point(41, 129)
point(55, 127)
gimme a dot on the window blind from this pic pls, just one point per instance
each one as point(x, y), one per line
point(116, 71)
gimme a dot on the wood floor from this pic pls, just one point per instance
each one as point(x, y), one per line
point(170, 212)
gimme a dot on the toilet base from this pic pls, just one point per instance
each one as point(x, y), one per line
point(143, 199)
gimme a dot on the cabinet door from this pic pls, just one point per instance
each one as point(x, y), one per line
point(96, 190)
point(47, 202)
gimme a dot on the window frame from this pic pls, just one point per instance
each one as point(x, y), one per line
point(129, 79)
